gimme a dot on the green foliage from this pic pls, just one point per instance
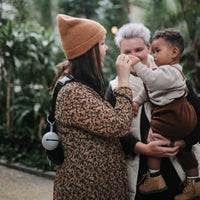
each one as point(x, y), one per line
point(28, 57)
point(185, 16)
point(22, 11)
point(159, 10)
point(45, 12)
point(32, 53)
point(30, 49)
point(119, 10)
point(109, 13)
point(119, 16)
point(78, 8)
point(23, 148)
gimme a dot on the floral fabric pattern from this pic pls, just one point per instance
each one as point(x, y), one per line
point(89, 127)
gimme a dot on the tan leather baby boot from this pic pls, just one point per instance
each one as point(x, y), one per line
point(153, 184)
point(191, 190)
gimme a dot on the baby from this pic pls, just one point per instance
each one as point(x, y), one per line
point(172, 115)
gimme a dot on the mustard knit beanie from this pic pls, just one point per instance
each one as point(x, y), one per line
point(78, 35)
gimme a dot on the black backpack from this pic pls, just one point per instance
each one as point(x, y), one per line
point(50, 140)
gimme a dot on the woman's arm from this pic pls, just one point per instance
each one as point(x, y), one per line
point(128, 142)
point(86, 110)
point(133, 146)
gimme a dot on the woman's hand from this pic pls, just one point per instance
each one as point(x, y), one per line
point(136, 108)
point(123, 66)
point(158, 149)
point(158, 146)
point(157, 137)
point(123, 70)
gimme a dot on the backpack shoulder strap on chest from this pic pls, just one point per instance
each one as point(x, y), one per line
point(60, 84)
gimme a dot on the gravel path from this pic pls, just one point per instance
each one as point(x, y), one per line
point(18, 185)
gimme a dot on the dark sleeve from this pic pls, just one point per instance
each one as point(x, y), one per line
point(194, 137)
point(110, 96)
point(128, 142)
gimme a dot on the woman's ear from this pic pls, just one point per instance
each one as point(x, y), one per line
point(175, 52)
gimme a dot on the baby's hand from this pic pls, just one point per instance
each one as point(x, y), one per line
point(136, 108)
point(134, 59)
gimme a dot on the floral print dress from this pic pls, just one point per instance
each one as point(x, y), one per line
point(89, 129)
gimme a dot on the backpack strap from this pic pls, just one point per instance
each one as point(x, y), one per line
point(180, 71)
point(145, 87)
point(60, 84)
point(186, 89)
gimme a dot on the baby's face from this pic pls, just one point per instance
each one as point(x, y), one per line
point(162, 52)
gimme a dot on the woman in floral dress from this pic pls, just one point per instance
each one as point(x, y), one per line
point(88, 126)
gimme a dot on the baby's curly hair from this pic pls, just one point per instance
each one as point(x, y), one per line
point(173, 36)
